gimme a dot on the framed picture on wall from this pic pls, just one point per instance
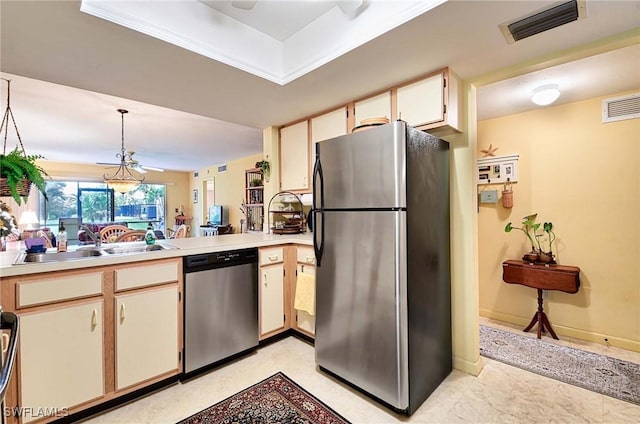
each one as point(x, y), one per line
point(195, 195)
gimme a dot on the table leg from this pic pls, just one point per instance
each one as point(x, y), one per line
point(541, 319)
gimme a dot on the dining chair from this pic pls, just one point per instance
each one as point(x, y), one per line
point(131, 235)
point(182, 231)
point(111, 232)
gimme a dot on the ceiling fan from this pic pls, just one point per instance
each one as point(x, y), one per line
point(126, 157)
point(132, 163)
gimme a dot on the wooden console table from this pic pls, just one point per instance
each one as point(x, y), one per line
point(542, 277)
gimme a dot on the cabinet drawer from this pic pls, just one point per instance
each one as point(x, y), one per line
point(48, 290)
point(146, 275)
point(271, 255)
point(306, 255)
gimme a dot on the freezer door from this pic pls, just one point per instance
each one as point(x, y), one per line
point(361, 307)
point(365, 169)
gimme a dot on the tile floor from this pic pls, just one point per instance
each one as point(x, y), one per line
point(500, 394)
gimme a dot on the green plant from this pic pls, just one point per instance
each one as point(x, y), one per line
point(256, 182)
point(547, 227)
point(7, 221)
point(529, 227)
point(264, 167)
point(16, 166)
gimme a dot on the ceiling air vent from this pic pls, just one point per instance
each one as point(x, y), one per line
point(620, 108)
point(544, 20)
point(222, 168)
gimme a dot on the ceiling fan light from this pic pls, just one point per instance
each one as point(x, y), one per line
point(545, 95)
point(123, 186)
point(123, 181)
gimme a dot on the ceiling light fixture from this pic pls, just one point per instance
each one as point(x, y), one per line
point(348, 6)
point(123, 181)
point(545, 95)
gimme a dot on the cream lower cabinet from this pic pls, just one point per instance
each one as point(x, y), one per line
point(91, 335)
point(304, 321)
point(61, 356)
point(146, 335)
point(271, 293)
point(272, 316)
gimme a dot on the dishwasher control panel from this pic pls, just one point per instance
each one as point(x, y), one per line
point(194, 263)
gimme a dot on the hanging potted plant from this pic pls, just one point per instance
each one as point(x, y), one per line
point(17, 169)
point(265, 168)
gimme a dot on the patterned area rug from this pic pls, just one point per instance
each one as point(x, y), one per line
point(599, 373)
point(274, 400)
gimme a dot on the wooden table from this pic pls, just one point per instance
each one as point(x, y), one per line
point(541, 277)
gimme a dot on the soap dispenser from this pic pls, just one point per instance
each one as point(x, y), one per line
point(62, 239)
point(150, 236)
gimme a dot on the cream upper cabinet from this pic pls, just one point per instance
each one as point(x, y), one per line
point(374, 107)
point(61, 355)
point(430, 102)
point(146, 335)
point(294, 157)
point(329, 125)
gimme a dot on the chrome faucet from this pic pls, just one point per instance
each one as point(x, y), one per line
point(95, 237)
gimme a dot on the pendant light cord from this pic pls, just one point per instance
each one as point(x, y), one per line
point(5, 120)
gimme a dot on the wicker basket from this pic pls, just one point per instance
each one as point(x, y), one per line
point(23, 188)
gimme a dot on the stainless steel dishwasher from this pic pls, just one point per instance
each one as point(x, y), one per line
point(220, 307)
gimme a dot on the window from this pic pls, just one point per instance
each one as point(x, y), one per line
point(93, 202)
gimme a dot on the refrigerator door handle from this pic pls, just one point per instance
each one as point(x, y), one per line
point(318, 225)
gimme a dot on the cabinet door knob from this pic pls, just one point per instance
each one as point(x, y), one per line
point(122, 313)
point(264, 278)
point(94, 319)
point(273, 258)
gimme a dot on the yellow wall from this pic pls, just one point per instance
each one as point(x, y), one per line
point(229, 190)
point(584, 176)
point(175, 182)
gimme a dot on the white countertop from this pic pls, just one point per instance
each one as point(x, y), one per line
point(185, 247)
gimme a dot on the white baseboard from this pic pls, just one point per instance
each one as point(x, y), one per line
point(589, 336)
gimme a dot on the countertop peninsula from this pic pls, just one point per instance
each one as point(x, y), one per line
point(185, 247)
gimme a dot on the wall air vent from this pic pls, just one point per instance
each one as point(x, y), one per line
point(621, 108)
point(544, 20)
point(222, 168)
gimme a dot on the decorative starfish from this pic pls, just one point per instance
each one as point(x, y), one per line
point(489, 151)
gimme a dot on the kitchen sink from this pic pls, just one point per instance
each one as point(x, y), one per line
point(123, 249)
point(56, 256)
point(89, 252)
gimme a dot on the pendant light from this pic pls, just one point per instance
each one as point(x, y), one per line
point(123, 180)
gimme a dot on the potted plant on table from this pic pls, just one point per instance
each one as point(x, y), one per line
point(17, 171)
point(529, 228)
point(547, 257)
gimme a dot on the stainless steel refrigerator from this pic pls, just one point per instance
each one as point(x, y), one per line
point(381, 238)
